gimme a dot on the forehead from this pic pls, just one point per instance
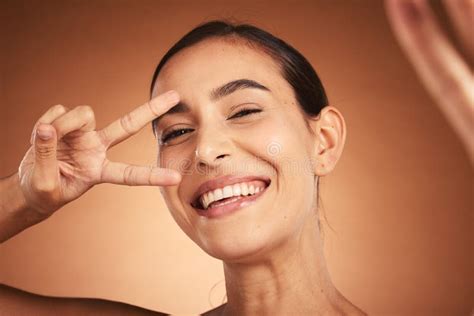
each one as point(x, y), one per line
point(212, 62)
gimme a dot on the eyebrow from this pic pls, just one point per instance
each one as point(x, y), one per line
point(235, 85)
point(216, 94)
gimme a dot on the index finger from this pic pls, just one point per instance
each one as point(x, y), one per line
point(134, 121)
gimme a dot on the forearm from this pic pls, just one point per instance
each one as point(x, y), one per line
point(14, 301)
point(15, 215)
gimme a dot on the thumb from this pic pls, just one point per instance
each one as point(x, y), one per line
point(45, 153)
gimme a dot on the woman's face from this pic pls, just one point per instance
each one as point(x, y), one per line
point(212, 138)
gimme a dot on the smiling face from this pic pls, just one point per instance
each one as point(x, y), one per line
point(238, 117)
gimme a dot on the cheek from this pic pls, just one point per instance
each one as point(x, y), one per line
point(279, 140)
point(177, 158)
point(170, 197)
point(176, 209)
point(282, 142)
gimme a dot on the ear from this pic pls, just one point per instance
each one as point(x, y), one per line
point(330, 136)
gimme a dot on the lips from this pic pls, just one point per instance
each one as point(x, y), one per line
point(220, 189)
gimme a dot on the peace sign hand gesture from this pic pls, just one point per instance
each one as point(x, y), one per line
point(68, 156)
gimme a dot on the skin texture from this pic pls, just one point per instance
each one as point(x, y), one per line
point(66, 158)
point(20, 303)
point(272, 250)
point(254, 270)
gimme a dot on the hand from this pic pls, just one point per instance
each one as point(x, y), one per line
point(445, 74)
point(68, 156)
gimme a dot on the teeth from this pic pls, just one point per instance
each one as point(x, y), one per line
point(238, 189)
point(245, 189)
point(228, 192)
point(218, 194)
point(211, 197)
point(205, 199)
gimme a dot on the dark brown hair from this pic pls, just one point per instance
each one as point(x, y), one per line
point(297, 71)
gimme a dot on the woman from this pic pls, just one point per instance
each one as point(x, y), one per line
point(256, 95)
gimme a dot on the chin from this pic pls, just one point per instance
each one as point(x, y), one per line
point(244, 230)
point(252, 239)
point(245, 242)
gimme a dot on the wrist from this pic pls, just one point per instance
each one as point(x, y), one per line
point(15, 213)
point(14, 203)
point(17, 197)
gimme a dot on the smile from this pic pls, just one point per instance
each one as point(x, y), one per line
point(227, 198)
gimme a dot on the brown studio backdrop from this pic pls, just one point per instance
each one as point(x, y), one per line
point(399, 201)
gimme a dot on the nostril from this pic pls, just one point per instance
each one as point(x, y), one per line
point(209, 158)
point(204, 165)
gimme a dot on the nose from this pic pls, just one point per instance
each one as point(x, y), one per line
point(213, 147)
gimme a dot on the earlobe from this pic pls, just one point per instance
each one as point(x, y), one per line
point(331, 136)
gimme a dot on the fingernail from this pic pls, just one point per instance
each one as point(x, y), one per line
point(44, 134)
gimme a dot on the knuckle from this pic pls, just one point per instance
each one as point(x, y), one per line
point(126, 122)
point(104, 138)
point(128, 175)
point(152, 109)
point(86, 111)
point(45, 151)
point(151, 176)
point(58, 126)
point(44, 188)
point(59, 109)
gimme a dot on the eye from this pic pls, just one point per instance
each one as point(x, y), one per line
point(173, 134)
point(245, 112)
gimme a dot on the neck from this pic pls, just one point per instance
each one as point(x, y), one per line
point(291, 280)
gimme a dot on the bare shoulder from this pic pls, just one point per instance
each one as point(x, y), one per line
point(215, 312)
point(18, 302)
